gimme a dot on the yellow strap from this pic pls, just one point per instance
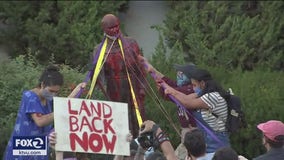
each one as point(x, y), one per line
point(138, 115)
point(97, 69)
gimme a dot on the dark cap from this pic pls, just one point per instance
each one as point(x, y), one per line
point(200, 74)
point(186, 69)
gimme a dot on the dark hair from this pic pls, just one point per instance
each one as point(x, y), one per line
point(210, 84)
point(156, 156)
point(194, 142)
point(51, 76)
point(275, 144)
point(225, 153)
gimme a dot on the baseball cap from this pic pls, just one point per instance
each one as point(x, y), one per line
point(200, 74)
point(186, 69)
point(272, 129)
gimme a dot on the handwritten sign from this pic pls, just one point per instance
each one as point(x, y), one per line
point(91, 126)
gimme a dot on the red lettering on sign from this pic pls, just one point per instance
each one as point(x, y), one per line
point(109, 144)
point(107, 126)
point(70, 110)
point(85, 122)
point(94, 142)
point(94, 126)
point(107, 110)
point(73, 124)
point(84, 107)
point(97, 109)
point(83, 142)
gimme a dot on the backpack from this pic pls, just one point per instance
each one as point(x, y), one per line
point(236, 117)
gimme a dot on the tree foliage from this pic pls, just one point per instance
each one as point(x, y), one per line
point(231, 34)
point(68, 30)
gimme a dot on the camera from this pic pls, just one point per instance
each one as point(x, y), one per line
point(146, 140)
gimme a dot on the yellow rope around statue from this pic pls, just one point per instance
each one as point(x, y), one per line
point(138, 115)
point(97, 69)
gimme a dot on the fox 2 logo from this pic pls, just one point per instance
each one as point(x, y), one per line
point(29, 142)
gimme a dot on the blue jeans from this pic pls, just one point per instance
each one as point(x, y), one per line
point(218, 140)
point(213, 145)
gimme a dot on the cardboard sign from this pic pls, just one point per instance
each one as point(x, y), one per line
point(91, 126)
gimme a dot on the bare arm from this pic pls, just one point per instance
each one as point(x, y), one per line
point(167, 148)
point(42, 120)
point(149, 68)
point(190, 101)
point(165, 145)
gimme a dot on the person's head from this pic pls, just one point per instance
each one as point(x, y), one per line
point(203, 82)
point(183, 77)
point(225, 153)
point(110, 25)
point(194, 142)
point(273, 133)
point(156, 156)
point(50, 82)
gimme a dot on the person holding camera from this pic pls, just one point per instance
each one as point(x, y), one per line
point(151, 135)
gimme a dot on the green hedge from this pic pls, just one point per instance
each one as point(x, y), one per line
point(231, 34)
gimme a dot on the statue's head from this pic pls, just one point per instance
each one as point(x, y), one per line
point(110, 25)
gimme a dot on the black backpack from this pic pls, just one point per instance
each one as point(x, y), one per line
point(236, 117)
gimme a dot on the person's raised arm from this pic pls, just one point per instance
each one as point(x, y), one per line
point(149, 68)
point(161, 138)
point(77, 89)
point(190, 101)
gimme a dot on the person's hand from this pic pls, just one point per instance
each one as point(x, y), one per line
point(80, 86)
point(141, 59)
point(145, 62)
point(52, 139)
point(147, 126)
point(77, 89)
point(159, 82)
point(168, 89)
point(129, 137)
